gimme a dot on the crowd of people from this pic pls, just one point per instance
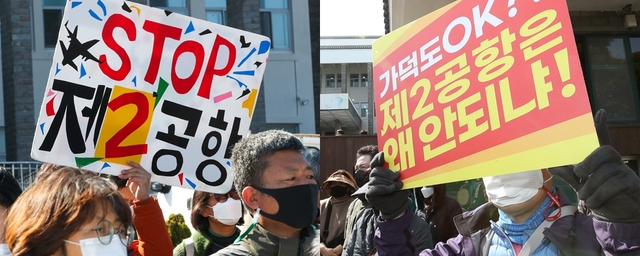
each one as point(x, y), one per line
point(71, 212)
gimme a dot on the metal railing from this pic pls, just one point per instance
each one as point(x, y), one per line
point(24, 172)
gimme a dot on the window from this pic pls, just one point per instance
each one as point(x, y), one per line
point(364, 80)
point(611, 85)
point(177, 6)
point(364, 109)
point(274, 23)
point(52, 16)
point(52, 12)
point(356, 106)
point(330, 81)
point(216, 11)
point(338, 80)
point(354, 80)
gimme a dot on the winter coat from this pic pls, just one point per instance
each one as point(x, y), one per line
point(260, 242)
point(205, 244)
point(440, 219)
point(153, 236)
point(577, 234)
point(362, 238)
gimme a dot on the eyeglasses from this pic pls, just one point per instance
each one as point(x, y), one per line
point(105, 232)
point(221, 198)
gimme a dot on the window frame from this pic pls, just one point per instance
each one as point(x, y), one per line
point(632, 76)
point(326, 80)
point(44, 36)
point(366, 83)
point(351, 80)
point(362, 107)
point(289, 25)
point(173, 9)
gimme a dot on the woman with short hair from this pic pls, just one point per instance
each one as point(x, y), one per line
point(70, 212)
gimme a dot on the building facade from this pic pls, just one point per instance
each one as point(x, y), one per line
point(29, 36)
point(345, 68)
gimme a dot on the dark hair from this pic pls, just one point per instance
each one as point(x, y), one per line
point(340, 131)
point(9, 188)
point(370, 150)
point(199, 201)
point(248, 158)
point(119, 182)
point(363, 132)
point(60, 201)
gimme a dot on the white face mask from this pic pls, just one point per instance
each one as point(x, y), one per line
point(515, 188)
point(228, 212)
point(93, 247)
point(4, 250)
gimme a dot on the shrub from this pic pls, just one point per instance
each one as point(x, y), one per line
point(178, 229)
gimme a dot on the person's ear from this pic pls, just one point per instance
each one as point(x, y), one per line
point(203, 211)
point(250, 197)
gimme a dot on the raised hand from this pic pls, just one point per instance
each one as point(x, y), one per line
point(384, 191)
point(606, 184)
point(139, 180)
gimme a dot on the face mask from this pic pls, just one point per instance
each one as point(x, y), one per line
point(298, 205)
point(338, 191)
point(515, 188)
point(4, 250)
point(361, 177)
point(93, 247)
point(227, 212)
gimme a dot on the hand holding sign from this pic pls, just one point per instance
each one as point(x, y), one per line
point(139, 180)
point(607, 185)
point(384, 190)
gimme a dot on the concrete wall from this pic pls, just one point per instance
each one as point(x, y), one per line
point(601, 23)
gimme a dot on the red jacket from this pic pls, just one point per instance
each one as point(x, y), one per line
point(153, 236)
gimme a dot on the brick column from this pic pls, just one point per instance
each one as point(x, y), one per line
point(17, 78)
point(245, 15)
point(343, 72)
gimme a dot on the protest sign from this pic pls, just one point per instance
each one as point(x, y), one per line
point(134, 83)
point(481, 88)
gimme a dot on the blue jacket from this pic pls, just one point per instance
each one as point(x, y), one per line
point(578, 234)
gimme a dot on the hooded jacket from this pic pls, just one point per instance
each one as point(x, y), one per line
point(577, 234)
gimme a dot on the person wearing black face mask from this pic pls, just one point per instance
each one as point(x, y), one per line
point(361, 174)
point(333, 211)
point(277, 186)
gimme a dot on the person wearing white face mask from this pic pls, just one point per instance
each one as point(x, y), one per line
point(526, 215)
point(214, 216)
point(70, 212)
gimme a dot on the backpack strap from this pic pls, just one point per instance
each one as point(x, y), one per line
point(325, 229)
point(536, 238)
point(190, 248)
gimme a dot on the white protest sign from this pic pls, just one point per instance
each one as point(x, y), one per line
point(131, 82)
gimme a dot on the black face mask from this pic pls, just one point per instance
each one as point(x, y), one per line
point(362, 177)
point(338, 191)
point(298, 205)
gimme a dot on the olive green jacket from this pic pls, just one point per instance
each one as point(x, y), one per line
point(260, 242)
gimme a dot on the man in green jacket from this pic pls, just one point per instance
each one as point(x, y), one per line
point(278, 187)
